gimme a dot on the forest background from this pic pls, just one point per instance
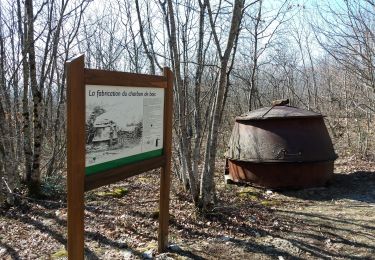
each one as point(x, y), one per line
point(228, 57)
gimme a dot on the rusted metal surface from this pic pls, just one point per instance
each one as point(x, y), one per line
point(275, 112)
point(281, 140)
point(282, 175)
point(280, 146)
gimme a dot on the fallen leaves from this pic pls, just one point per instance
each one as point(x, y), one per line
point(121, 222)
point(59, 254)
point(117, 192)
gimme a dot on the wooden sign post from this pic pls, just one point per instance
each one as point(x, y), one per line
point(119, 125)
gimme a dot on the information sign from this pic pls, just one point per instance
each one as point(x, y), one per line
point(123, 125)
point(119, 125)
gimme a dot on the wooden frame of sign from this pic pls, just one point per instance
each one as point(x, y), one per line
point(78, 80)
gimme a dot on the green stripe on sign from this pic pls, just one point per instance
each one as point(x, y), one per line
point(122, 161)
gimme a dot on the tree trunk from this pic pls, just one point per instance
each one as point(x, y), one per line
point(141, 33)
point(22, 32)
point(7, 173)
point(207, 183)
point(34, 183)
point(197, 98)
point(254, 69)
point(185, 146)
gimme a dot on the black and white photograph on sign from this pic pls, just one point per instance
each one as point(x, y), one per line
point(122, 122)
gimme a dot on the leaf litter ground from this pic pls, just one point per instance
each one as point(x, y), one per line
point(121, 222)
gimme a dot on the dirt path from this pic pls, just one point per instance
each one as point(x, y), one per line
point(334, 222)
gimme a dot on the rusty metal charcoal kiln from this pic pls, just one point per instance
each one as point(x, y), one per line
point(280, 147)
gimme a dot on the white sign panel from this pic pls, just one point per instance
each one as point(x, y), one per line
point(123, 125)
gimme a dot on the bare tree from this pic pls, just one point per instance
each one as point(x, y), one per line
point(227, 57)
point(207, 183)
point(145, 46)
point(347, 35)
point(263, 26)
point(32, 65)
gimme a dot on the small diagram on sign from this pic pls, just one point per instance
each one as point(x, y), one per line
point(109, 134)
